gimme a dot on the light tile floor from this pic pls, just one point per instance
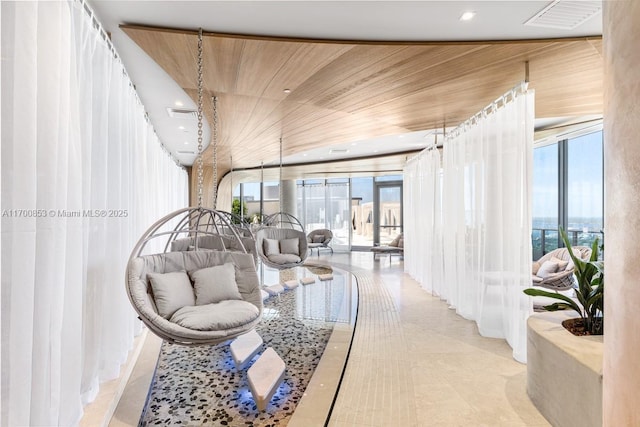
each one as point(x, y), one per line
point(414, 362)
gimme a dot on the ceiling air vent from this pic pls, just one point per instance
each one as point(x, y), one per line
point(338, 151)
point(182, 113)
point(186, 152)
point(565, 14)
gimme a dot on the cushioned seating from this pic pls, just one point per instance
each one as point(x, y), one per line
point(395, 247)
point(281, 247)
point(319, 239)
point(221, 315)
point(555, 269)
point(212, 321)
point(281, 259)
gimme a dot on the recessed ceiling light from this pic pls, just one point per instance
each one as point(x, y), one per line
point(287, 91)
point(186, 143)
point(375, 151)
point(179, 104)
point(467, 16)
point(353, 144)
point(304, 155)
point(181, 127)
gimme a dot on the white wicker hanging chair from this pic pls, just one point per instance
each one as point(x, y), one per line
point(160, 262)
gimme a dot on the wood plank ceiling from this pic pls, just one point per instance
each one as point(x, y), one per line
point(348, 91)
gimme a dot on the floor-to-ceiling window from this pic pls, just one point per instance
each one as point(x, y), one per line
point(325, 204)
point(585, 188)
point(568, 192)
point(362, 212)
point(388, 211)
point(545, 200)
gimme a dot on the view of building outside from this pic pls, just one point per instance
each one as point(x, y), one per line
point(390, 213)
point(362, 211)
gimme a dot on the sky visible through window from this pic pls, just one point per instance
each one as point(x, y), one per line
point(585, 184)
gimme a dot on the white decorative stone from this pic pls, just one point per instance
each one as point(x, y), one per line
point(290, 284)
point(328, 276)
point(307, 280)
point(264, 377)
point(274, 289)
point(245, 347)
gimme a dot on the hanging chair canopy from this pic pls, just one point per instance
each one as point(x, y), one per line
point(192, 229)
point(283, 220)
point(241, 225)
point(192, 279)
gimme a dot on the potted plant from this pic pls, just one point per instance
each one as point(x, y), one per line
point(589, 293)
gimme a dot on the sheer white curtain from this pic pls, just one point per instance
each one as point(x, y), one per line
point(83, 175)
point(485, 227)
point(423, 258)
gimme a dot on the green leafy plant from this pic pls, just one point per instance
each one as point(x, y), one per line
point(235, 209)
point(589, 293)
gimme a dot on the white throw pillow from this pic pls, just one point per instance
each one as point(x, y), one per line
point(547, 269)
point(215, 284)
point(289, 246)
point(561, 264)
point(171, 291)
point(271, 247)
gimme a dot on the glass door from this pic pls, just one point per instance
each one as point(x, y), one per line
point(387, 221)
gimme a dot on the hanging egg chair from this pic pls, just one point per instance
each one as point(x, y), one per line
point(195, 290)
point(281, 241)
point(191, 277)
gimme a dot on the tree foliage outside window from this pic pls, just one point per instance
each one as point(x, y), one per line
point(235, 208)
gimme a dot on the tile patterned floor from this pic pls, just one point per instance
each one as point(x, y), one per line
point(416, 363)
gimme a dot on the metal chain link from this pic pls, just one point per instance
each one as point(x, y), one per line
point(214, 101)
point(200, 89)
point(280, 183)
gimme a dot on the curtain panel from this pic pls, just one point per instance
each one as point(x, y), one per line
point(474, 251)
point(83, 175)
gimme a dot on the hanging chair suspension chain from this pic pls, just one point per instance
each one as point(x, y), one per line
point(214, 101)
point(200, 179)
point(280, 183)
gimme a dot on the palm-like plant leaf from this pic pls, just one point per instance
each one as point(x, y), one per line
point(567, 302)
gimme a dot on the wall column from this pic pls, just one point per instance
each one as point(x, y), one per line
point(621, 370)
point(289, 200)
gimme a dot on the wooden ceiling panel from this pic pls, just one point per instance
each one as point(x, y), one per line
point(343, 92)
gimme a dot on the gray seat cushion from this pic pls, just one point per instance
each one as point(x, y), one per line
point(284, 258)
point(219, 316)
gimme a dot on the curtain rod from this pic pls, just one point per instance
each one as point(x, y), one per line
point(499, 102)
